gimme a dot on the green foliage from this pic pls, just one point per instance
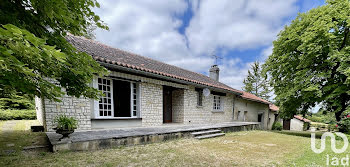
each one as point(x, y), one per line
point(33, 48)
point(66, 123)
point(277, 126)
point(16, 101)
point(257, 82)
point(344, 124)
point(322, 117)
point(17, 114)
point(310, 62)
point(319, 126)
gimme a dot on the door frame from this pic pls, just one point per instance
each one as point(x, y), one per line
point(167, 107)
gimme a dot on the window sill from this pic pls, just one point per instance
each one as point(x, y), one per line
point(129, 118)
point(217, 111)
point(199, 106)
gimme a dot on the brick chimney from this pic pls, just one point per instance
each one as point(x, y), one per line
point(214, 72)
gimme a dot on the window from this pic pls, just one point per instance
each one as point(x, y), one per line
point(134, 99)
point(217, 103)
point(245, 116)
point(105, 103)
point(121, 99)
point(199, 97)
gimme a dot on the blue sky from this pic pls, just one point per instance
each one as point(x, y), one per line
point(185, 33)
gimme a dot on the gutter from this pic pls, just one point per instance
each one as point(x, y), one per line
point(135, 71)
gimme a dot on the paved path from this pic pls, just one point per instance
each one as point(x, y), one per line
point(9, 126)
point(80, 136)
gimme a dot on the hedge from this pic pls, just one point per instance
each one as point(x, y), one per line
point(17, 114)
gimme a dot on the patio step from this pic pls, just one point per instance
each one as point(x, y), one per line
point(205, 132)
point(209, 136)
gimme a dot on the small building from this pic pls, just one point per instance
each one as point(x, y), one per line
point(298, 123)
point(143, 92)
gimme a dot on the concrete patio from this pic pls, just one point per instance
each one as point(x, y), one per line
point(109, 138)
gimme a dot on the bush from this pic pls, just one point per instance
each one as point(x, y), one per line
point(17, 114)
point(277, 126)
point(344, 124)
point(16, 102)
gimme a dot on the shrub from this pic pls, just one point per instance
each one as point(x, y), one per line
point(16, 101)
point(17, 114)
point(344, 124)
point(277, 126)
point(66, 123)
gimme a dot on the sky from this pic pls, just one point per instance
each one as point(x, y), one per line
point(186, 33)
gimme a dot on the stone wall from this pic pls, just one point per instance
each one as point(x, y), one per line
point(178, 106)
point(151, 104)
point(79, 108)
point(204, 114)
point(252, 110)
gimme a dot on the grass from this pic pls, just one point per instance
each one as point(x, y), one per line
point(16, 135)
point(252, 148)
point(17, 114)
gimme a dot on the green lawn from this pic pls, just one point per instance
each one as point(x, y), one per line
point(253, 148)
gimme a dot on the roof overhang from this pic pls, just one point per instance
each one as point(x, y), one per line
point(255, 100)
point(162, 77)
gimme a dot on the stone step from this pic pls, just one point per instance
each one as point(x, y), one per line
point(205, 132)
point(210, 136)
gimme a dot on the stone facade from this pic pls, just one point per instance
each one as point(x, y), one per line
point(151, 104)
point(248, 111)
point(204, 114)
point(184, 107)
point(79, 108)
point(178, 106)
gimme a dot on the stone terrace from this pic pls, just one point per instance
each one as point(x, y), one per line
point(99, 139)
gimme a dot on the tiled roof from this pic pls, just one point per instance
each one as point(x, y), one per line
point(273, 107)
point(252, 97)
point(301, 118)
point(110, 55)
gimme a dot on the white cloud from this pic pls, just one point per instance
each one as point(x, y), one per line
point(238, 24)
point(266, 52)
point(233, 72)
point(150, 29)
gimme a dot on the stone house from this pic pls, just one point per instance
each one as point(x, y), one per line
point(140, 91)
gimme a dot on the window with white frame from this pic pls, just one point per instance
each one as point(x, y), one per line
point(217, 103)
point(105, 103)
point(120, 100)
point(134, 98)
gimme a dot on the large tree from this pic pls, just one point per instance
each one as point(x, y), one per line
point(257, 82)
point(310, 63)
point(34, 51)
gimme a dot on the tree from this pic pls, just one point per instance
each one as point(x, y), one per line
point(257, 82)
point(36, 59)
point(310, 63)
